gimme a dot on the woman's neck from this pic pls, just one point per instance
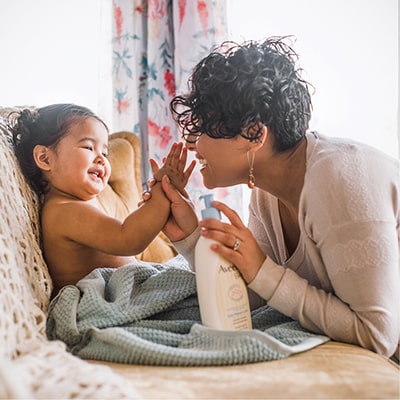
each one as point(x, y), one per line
point(282, 174)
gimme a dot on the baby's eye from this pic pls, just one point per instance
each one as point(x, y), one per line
point(88, 148)
point(105, 155)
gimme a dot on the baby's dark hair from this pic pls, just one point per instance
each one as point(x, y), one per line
point(238, 87)
point(44, 126)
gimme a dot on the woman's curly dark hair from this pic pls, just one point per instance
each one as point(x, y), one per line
point(237, 87)
point(44, 126)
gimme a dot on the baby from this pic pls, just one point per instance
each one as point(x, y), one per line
point(62, 150)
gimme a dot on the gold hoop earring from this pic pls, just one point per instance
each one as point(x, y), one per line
point(252, 181)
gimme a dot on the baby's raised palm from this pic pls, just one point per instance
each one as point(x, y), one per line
point(174, 167)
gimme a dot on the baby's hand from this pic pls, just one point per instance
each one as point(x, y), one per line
point(174, 166)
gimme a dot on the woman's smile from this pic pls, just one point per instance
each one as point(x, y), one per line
point(203, 163)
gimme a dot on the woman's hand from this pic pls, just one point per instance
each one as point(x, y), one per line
point(174, 167)
point(235, 242)
point(183, 219)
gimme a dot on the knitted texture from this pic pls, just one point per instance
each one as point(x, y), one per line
point(30, 365)
point(148, 314)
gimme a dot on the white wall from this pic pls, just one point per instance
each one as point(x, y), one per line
point(56, 51)
point(59, 51)
point(349, 50)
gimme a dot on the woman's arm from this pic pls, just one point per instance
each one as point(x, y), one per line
point(362, 306)
point(354, 252)
point(357, 301)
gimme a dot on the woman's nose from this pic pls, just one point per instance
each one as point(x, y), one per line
point(190, 146)
point(190, 142)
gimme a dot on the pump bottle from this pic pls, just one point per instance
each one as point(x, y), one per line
point(222, 292)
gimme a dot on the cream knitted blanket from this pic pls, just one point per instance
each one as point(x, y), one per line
point(148, 314)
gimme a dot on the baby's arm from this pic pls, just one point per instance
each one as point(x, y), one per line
point(87, 226)
point(174, 167)
point(92, 228)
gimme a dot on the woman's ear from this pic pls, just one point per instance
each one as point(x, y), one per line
point(41, 157)
point(262, 133)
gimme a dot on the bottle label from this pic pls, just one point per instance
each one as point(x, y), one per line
point(232, 299)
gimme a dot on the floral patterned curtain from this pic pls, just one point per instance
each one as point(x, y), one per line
point(156, 43)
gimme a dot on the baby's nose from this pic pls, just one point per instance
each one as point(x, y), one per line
point(100, 159)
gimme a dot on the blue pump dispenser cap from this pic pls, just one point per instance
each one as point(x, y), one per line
point(209, 211)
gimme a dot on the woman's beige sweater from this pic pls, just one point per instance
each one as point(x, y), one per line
point(343, 280)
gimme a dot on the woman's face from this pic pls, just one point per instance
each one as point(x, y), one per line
point(223, 162)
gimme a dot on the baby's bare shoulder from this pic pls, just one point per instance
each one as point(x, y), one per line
point(57, 207)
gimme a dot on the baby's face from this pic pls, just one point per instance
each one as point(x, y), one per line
point(80, 167)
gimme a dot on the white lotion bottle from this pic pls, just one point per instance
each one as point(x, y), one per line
point(222, 292)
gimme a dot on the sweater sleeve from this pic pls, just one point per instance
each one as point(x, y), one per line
point(186, 247)
point(351, 232)
point(362, 308)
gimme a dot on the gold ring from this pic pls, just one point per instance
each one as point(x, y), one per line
point(236, 245)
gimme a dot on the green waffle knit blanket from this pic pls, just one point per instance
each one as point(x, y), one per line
point(148, 314)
